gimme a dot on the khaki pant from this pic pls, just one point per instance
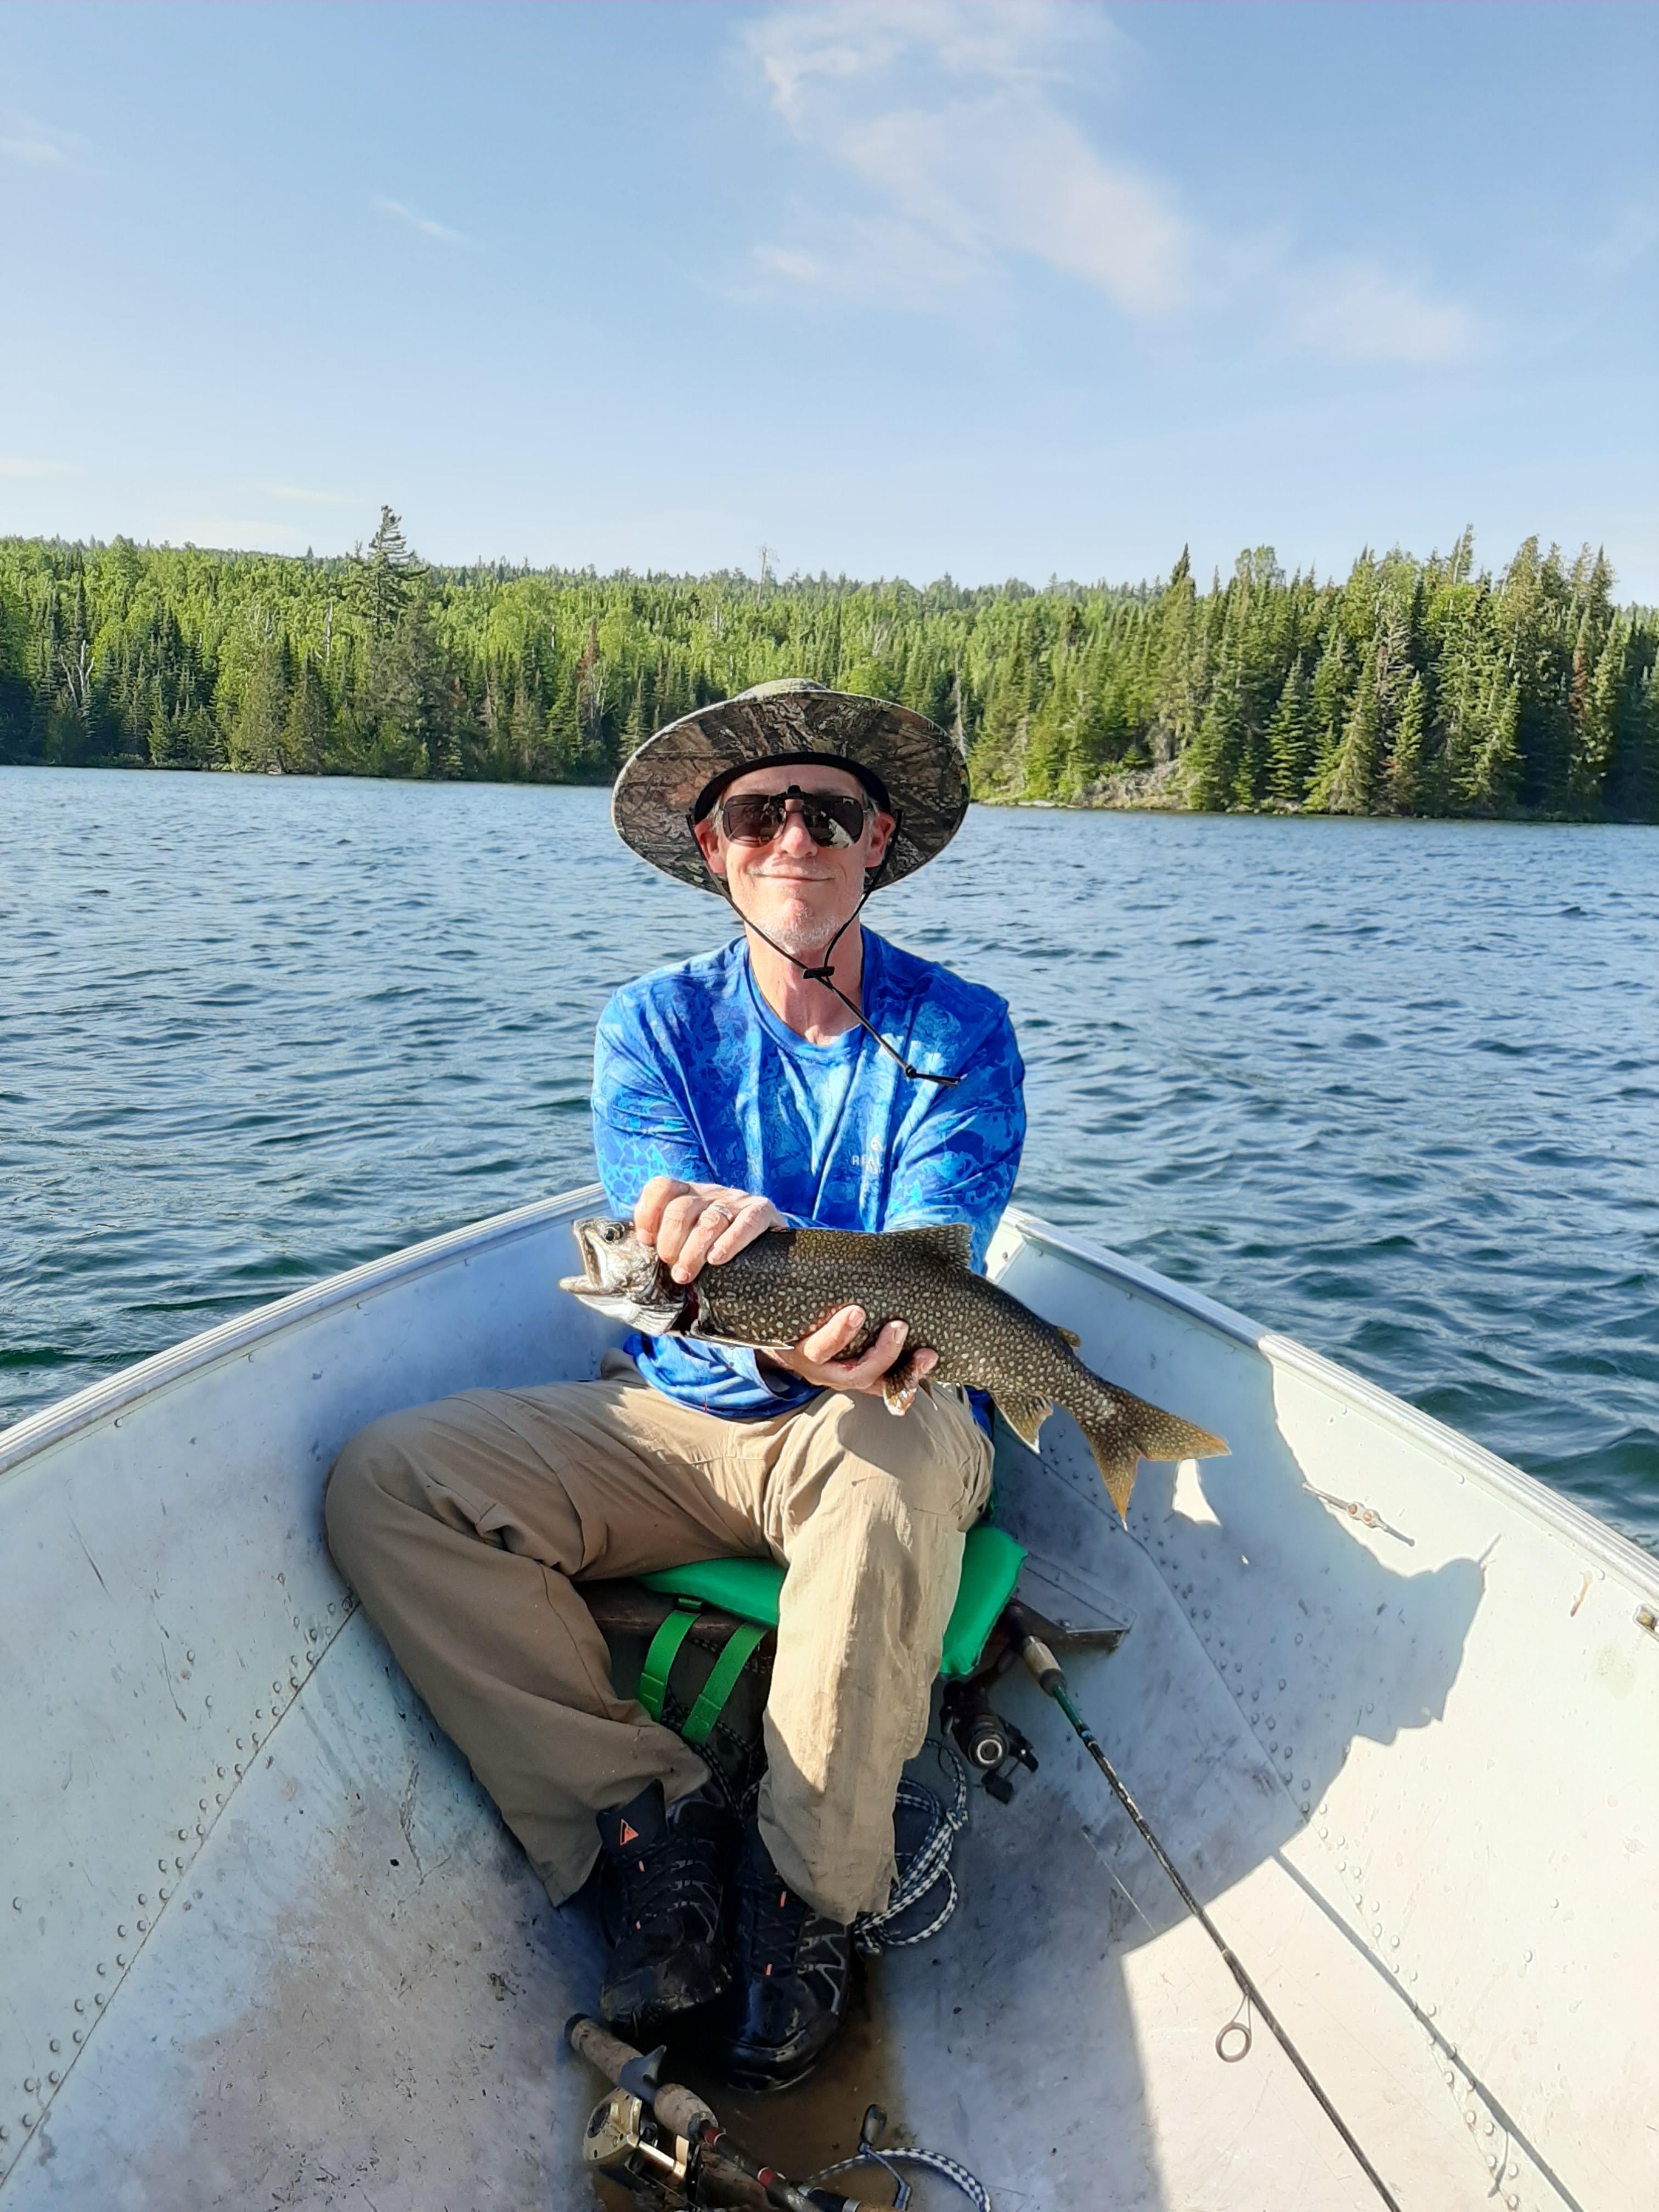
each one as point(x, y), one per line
point(464, 1525)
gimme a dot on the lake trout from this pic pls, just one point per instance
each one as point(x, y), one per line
point(789, 1281)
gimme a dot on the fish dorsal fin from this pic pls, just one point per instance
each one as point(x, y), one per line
point(1070, 1335)
point(952, 1241)
point(1025, 1413)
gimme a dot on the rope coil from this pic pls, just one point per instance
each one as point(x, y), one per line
point(928, 1867)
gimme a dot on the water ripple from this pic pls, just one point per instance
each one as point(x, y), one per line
point(1393, 1089)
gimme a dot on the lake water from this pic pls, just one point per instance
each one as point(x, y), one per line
point(1390, 1087)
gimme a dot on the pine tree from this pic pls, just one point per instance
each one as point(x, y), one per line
point(255, 739)
point(642, 721)
point(996, 757)
point(1532, 694)
point(1210, 762)
point(169, 744)
point(305, 729)
point(1330, 696)
point(593, 723)
point(1493, 778)
point(1291, 739)
point(387, 576)
point(1403, 778)
point(1593, 716)
point(526, 726)
point(1346, 785)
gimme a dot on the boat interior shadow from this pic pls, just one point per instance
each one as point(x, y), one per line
point(1267, 1635)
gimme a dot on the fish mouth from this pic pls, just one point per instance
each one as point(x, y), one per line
point(591, 1235)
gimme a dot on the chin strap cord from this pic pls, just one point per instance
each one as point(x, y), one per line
point(825, 972)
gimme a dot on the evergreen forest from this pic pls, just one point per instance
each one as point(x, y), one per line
point(1413, 687)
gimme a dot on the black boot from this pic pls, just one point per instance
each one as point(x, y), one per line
point(661, 1901)
point(793, 1968)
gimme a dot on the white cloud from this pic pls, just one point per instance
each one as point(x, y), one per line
point(30, 149)
point(15, 466)
point(950, 115)
point(25, 138)
point(1354, 312)
point(422, 223)
point(954, 123)
point(300, 497)
point(869, 257)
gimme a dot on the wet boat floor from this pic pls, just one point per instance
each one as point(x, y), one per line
point(814, 2125)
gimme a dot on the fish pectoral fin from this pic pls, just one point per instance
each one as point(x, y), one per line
point(900, 1384)
point(616, 1305)
point(1070, 1335)
point(1024, 1412)
point(952, 1241)
point(653, 1320)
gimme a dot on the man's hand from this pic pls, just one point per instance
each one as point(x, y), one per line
point(689, 1224)
point(817, 1359)
point(694, 1225)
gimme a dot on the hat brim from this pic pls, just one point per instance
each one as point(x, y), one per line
point(919, 763)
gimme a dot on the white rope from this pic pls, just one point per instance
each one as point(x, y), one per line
point(934, 2161)
point(930, 1866)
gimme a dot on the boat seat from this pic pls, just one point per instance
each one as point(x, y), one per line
point(749, 1590)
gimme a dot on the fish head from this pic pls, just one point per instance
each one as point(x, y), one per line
point(623, 1280)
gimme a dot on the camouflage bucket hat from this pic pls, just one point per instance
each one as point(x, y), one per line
point(916, 762)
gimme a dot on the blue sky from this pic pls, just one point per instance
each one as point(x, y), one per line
point(1005, 289)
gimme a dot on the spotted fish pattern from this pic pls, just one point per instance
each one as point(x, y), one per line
point(696, 1077)
point(788, 1281)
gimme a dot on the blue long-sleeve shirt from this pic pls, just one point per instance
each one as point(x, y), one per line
point(696, 1078)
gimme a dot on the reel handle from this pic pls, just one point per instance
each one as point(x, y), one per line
point(684, 2114)
point(679, 2109)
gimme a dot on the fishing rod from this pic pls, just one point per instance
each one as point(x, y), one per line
point(1049, 1677)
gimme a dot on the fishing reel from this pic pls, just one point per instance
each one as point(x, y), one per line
point(664, 2144)
point(625, 2139)
point(993, 1747)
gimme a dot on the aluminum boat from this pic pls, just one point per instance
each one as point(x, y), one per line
point(1390, 1706)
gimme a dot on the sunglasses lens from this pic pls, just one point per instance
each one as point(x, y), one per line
point(755, 817)
point(831, 819)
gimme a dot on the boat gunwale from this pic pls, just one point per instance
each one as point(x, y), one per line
point(52, 1425)
point(106, 1400)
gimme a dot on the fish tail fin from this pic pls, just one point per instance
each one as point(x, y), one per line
point(1135, 1431)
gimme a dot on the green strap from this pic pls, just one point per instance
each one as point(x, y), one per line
point(722, 1680)
point(663, 1650)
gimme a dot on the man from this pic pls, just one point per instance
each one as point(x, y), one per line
point(808, 1072)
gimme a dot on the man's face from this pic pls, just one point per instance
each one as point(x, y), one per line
point(798, 893)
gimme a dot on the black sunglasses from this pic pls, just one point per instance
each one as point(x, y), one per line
point(755, 817)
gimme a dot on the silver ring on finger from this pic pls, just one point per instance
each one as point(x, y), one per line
point(724, 1211)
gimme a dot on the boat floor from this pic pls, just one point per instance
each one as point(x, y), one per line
point(358, 1999)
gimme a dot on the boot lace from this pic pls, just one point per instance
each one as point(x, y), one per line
point(672, 1879)
point(771, 1920)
